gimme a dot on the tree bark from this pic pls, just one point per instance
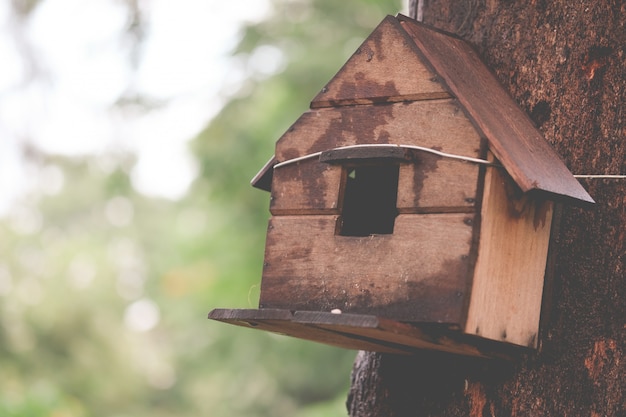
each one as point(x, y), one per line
point(565, 63)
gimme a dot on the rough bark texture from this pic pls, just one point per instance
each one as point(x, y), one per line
point(565, 63)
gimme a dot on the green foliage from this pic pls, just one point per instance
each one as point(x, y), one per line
point(84, 270)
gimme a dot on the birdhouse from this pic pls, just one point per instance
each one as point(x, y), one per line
point(411, 206)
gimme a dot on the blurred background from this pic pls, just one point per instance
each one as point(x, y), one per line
point(129, 132)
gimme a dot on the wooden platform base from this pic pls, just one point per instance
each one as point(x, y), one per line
point(366, 332)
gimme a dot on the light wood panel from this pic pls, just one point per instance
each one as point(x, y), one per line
point(509, 274)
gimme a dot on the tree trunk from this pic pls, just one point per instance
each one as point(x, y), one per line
point(565, 63)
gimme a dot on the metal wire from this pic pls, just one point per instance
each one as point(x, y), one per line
point(380, 145)
point(439, 153)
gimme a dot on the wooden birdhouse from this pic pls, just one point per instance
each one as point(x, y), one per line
point(411, 206)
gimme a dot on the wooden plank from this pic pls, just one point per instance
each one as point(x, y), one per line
point(437, 124)
point(373, 154)
point(514, 139)
point(509, 274)
point(365, 332)
point(307, 187)
point(413, 337)
point(418, 273)
point(385, 68)
point(436, 184)
point(283, 322)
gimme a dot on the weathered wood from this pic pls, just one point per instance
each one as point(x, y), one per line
point(438, 124)
point(284, 322)
point(363, 332)
point(375, 154)
point(509, 274)
point(512, 136)
point(416, 337)
point(418, 273)
point(307, 187)
point(434, 184)
point(385, 68)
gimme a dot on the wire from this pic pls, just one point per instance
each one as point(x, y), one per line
point(439, 153)
point(380, 145)
point(606, 177)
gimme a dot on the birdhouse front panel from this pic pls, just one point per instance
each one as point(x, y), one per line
point(339, 219)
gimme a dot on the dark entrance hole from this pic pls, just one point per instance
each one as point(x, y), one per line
point(369, 205)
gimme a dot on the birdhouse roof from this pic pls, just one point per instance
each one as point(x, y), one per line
point(404, 60)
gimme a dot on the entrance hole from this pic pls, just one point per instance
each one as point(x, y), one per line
point(369, 205)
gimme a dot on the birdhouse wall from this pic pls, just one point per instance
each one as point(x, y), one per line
point(509, 275)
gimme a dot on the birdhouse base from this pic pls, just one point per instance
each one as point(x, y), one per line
point(367, 332)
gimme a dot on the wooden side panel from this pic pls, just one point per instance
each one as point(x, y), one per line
point(429, 183)
point(509, 274)
point(385, 68)
point(418, 273)
point(514, 139)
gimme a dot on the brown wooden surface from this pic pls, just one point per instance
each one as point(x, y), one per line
point(564, 62)
point(431, 184)
point(435, 184)
point(308, 267)
point(514, 139)
point(509, 274)
point(307, 187)
point(367, 154)
point(285, 323)
point(363, 332)
point(385, 68)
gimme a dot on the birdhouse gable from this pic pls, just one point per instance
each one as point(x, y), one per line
point(387, 67)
